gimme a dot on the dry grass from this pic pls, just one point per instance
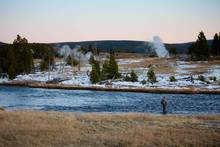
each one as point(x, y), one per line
point(204, 66)
point(162, 66)
point(82, 129)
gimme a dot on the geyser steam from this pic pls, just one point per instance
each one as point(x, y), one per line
point(158, 46)
point(74, 53)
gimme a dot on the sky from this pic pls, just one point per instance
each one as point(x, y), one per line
point(175, 21)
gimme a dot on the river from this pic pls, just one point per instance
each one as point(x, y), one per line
point(23, 98)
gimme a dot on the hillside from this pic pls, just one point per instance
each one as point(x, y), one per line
point(1, 43)
point(106, 46)
point(125, 46)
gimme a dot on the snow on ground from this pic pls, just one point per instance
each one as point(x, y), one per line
point(82, 78)
point(3, 80)
point(214, 71)
point(43, 76)
point(183, 68)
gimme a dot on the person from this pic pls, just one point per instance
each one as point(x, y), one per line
point(191, 79)
point(164, 104)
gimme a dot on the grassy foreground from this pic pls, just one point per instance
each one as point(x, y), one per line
point(26, 129)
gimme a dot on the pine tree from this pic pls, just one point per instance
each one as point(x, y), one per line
point(11, 64)
point(151, 76)
point(110, 69)
point(200, 49)
point(24, 55)
point(215, 45)
point(97, 67)
point(28, 60)
point(113, 67)
point(94, 76)
point(105, 70)
point(218, 50)
point(11, 72)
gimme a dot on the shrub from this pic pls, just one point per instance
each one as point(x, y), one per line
point(151, 76)
point(127, 78)
point(134, 77)
point(172, 79)
point(143, 82)
point(213, 79)
point(201, 78)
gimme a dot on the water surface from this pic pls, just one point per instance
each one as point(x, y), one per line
point(17, 98)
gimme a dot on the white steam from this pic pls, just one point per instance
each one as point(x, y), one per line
point(65, 51)
point(74, 53)
point(158, 46)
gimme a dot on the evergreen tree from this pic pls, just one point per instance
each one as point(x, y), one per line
point(11, 72)
point(200, 49)
point(218, 52)
point(24, 55)
point(215, 45)
point(151, 76)
point(94, 76)
point(96, 63)
point(105, 70)
point(134, 77)
point(113, 67)
point(110, 69)
point(97, 67)
point(11, 63)
point(28, 60)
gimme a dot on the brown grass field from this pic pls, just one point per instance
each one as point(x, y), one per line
point(27, 129)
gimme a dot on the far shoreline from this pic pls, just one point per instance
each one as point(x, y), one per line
point(179, 90)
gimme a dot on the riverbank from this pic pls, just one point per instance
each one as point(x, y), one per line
point(182, 90)
point(26, 128)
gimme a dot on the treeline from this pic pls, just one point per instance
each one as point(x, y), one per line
point(200, 50)
point(17, 58)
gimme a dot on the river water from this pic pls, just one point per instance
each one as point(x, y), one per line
point(20, 98)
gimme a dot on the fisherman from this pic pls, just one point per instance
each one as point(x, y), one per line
point(191, 79)
point(164, 104)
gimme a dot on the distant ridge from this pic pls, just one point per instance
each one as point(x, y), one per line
point(109, 45)
point(126, 45)
point(2, 43)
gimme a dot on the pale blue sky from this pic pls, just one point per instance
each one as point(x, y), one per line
point(77, 20)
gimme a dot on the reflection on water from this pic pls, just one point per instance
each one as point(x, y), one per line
point(15, 98)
